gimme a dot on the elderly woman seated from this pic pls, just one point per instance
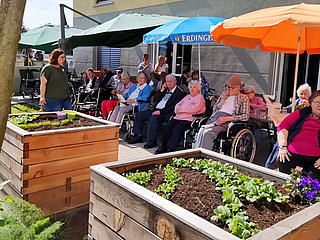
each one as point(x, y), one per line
point(191, 104)
point(304, 93)
point(123, 87)
point(137, 95)
point(257, 105)
point(299, 139)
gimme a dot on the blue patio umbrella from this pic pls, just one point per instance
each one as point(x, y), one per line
point(184, 31)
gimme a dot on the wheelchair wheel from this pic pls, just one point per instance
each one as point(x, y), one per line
point(244, 146)
point(126, 136)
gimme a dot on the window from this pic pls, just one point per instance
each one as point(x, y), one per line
point(102, 2)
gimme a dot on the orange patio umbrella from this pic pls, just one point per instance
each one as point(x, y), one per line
point(286, 29)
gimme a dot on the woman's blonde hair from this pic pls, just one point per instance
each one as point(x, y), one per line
point(125, 75)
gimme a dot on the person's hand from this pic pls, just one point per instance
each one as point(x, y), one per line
point(284, 155)
point(42, 101)
point(119, 92)
point(305, 103)
point(131, 101)
point(222, 120)
point(164, 87)
point(224, 96)
point(114, 91)
point(156, 113)
point(317, 164)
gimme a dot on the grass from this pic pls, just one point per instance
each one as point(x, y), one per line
point(24, 108)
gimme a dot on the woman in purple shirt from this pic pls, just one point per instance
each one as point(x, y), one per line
point(123, 87)
point(299, 139)
point(190, 105)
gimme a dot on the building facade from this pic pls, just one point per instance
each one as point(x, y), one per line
point(271, 73)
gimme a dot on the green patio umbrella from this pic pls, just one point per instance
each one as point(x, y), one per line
point(46, 37)
point(125, 30)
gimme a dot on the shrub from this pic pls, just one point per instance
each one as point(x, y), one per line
point(22, 220)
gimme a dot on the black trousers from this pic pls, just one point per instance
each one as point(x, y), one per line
point(306, 162)
point(173, 133)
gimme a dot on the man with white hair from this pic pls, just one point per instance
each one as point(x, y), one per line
point(231, 106)
point(159, 111)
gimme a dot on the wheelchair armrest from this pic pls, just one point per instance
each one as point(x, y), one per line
point(238, 122)
point(236, 126)
point(142, 101)
point(198, 115)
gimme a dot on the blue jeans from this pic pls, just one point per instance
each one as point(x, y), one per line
point(57, 104)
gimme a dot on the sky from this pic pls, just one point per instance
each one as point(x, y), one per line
point(39, 12)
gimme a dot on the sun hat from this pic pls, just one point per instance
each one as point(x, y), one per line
point(234, 80)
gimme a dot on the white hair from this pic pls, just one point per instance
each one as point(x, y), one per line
point(171, 76)
point(196, 83)
point(304, 87)
point(249, 89)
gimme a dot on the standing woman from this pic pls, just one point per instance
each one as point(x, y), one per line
point(54, 84)
point(161, 66)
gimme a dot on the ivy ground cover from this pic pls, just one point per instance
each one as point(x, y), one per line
point(236, 201)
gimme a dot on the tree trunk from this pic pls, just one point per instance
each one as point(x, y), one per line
point(11, 14)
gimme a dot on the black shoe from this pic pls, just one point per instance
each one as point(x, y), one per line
point(136, 139)
point(160, 150)
point(151, 144)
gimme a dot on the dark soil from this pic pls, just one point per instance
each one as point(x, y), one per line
point(78, 122)
point(197, 193)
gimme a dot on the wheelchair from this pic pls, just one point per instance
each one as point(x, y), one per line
point(127, 121)
point(238, 141)
point(30, 82)
point(90, 102)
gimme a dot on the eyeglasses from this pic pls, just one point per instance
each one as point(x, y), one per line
point(316, 102)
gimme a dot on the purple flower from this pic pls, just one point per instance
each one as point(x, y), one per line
point(310, 195)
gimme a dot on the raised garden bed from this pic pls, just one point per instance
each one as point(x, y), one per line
point(120, 208)
point(50, 168)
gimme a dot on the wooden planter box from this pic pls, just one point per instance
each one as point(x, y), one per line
point(121, 209)
point(51, 168)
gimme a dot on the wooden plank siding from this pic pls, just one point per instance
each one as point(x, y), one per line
point(117, 196)
point(61, 205)
point(140, 210)
point(68, 151)
point(99, 231)
point(52, 181)
point(14, 152)
point(62, 139)
point(65, 165)
point(118, 221)
point(57, 193)
point(52, 168)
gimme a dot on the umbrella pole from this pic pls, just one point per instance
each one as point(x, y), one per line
point(174, 60)
point(296, 72)
point(199, 62)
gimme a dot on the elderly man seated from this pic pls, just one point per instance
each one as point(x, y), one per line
point(93, 82)
point(90, 90)
point(160, 110)
point(231, 106)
